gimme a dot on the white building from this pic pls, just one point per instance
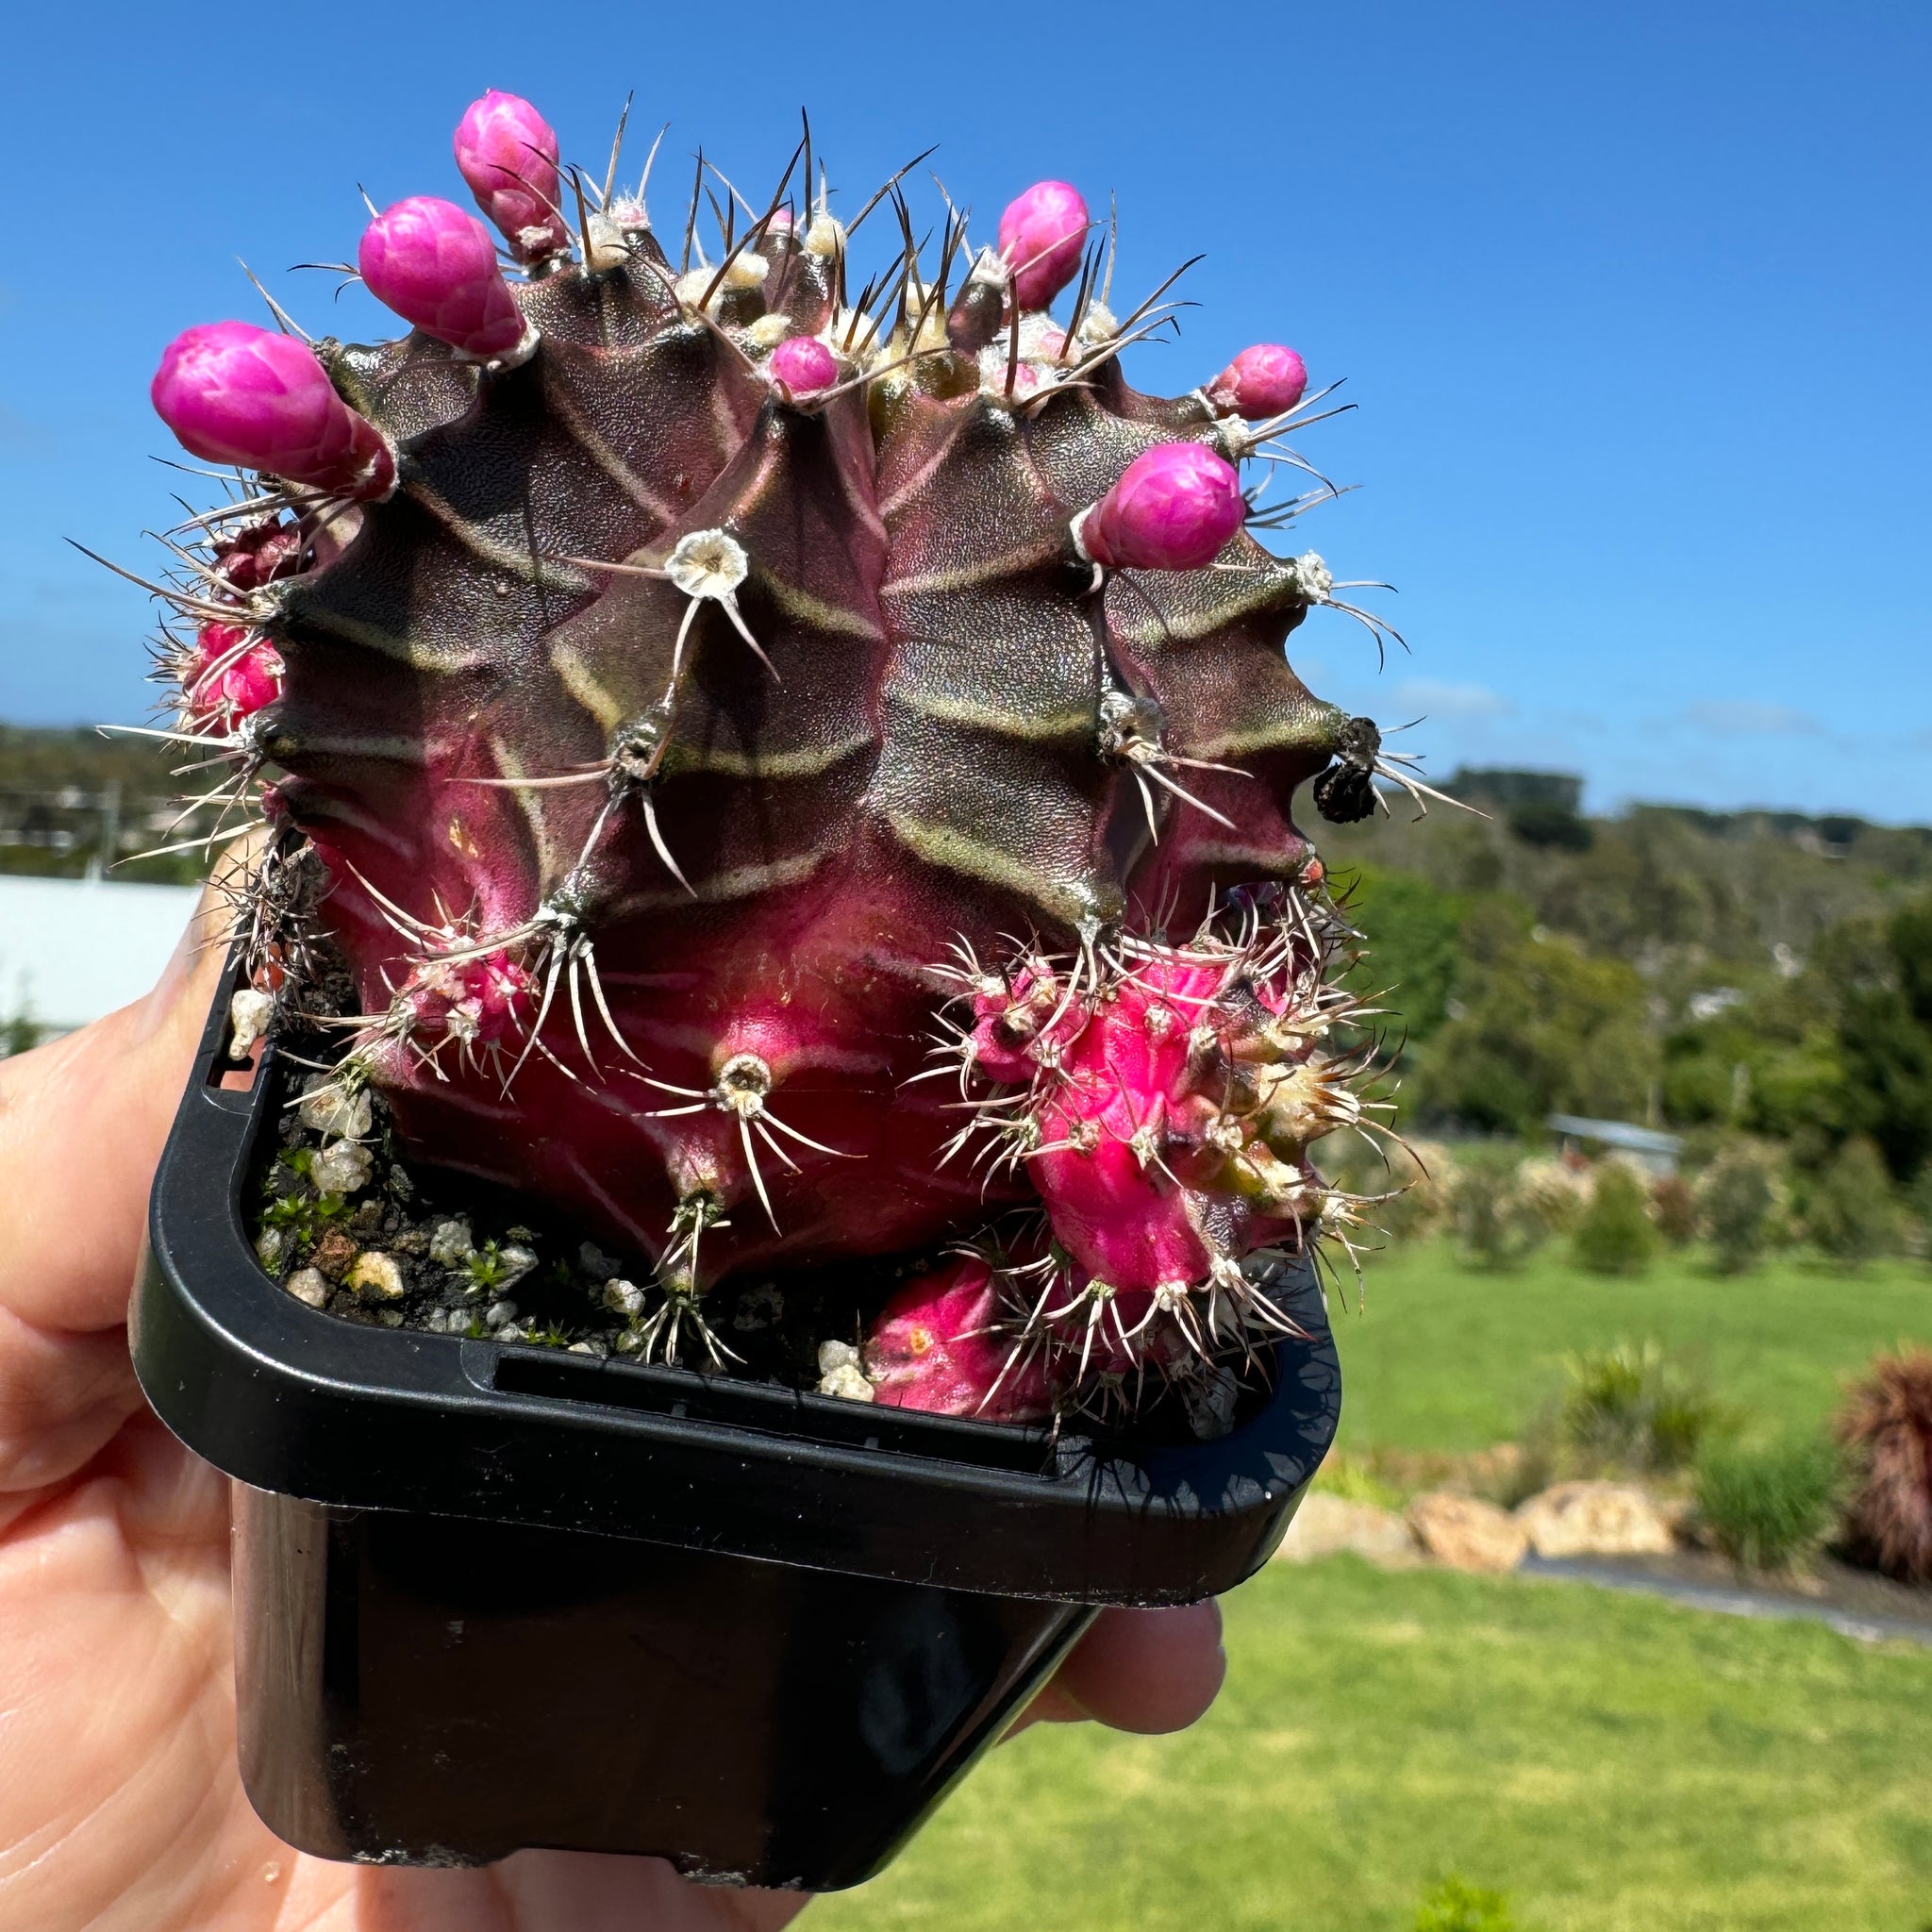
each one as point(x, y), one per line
point(74, 949)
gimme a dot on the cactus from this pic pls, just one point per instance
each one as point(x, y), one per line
point(795, 776)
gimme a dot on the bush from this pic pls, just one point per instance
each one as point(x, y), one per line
point(1851, 1212)
point(1735, 1202)
point(1456, 1906)
point(1673, 1209)
point(1615, 1236)
point(1769, 1506)
point(1886, 1426)
point(1628, 1408)
point(1496, 1225)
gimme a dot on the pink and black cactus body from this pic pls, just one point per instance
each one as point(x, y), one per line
point(800, 778)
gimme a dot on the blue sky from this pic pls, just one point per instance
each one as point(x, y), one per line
point(1634, 301)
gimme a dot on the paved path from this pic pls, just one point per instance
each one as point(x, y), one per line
point(1738, 1600)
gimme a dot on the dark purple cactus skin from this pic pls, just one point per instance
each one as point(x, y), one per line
point(734, 838)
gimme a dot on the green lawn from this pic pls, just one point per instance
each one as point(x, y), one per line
point(1613, 1764)
point(1444, 1357)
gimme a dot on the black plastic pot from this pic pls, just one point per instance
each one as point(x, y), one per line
point(490, 1596)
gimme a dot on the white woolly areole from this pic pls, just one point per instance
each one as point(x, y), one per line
point(747, 271)
point(1314, 576)
point(707, 564)
point(768, 331)
point(609, 246)
point(1099, 323)
point(992, 267)
point(825, 236)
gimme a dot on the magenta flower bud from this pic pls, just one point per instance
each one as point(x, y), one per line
point(436, 267)
point(1041, 235)
point(507, 152)
point(1266, 380)
point(235, 393)
point(1173, 509)
point(802, 366)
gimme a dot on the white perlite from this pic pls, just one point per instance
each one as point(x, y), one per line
point(249, 1013)
point(344, 1170)
point(328, 1111)
point(841, 1372)
point(309, 1285)
point(451, 1244)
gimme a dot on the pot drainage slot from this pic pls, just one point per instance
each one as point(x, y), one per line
point(687, 1397)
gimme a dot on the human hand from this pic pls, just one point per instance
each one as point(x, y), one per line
point(121, 1808)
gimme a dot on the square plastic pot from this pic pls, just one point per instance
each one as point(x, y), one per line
point(490, 1596)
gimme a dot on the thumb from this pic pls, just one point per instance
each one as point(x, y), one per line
point(82, 1121)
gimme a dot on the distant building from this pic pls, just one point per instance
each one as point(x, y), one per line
point(74, 949)
point(1648, 1146)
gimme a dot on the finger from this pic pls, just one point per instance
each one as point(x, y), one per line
point(1148, 1671)
point(82, 1121)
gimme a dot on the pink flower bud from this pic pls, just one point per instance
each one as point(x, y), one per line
point(802, 366)
point(1266, 380)
point(231, 675)
point(436, 267)
point(258, 554)
point(1173, 509)
point(507, 154)
point(1041, 236)
point(235, 393)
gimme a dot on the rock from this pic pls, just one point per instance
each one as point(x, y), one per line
point(249, 1013)
point(498, 1314)
point(272, 1248)
point(309, 1285)
point(595, 1263)
point(1466, 1534)
point(622, 1297)
point(1596, 1518)
point(513, 1263)
point(847, 1380)
point(451, 1244)
point(841, 1372)
point(344, 1170)
point(374, 1273)
point(1326, 1524)
point(837, 1355)
point(335, 1115)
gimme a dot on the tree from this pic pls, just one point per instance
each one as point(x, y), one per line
point(1538, 1027)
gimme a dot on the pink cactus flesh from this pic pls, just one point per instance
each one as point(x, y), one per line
point(686, 718)
point(1265, 380)
point(946, 1343)
point(507, 152)
point(1041, 236)
point(1175, 508)
point(436, 267)
point(234, 394)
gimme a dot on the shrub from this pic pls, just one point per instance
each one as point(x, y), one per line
point(1886, 1426)
point(1851, 1211)
point(1628, 1408)
point(1769, 1505)
point(1456, 1906)
point(1615, 1236)
point(1496, 1225)
point(1673, 1209)
point(1734, 1200)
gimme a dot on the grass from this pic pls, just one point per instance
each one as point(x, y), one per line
point(1612, 1763)
point(1443, 1357)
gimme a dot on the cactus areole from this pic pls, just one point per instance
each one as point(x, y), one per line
point(792, 772)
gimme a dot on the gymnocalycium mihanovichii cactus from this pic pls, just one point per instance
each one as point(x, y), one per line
point(794, 776)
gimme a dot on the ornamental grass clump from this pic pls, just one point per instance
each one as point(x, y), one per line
point(783, 771)
point(1886, 1429)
